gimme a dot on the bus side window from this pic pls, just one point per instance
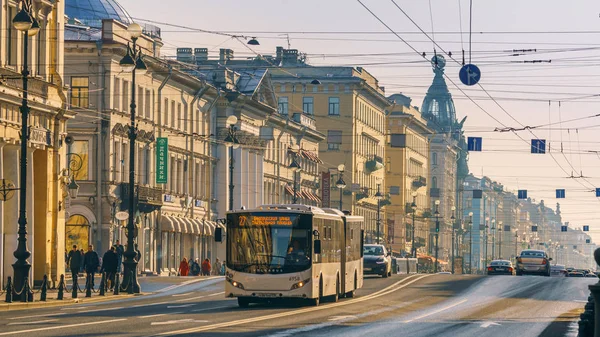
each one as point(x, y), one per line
point(317, 246)
point(362, 242)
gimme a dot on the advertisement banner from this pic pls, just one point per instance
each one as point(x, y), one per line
point(162, 159)
point(326, 189)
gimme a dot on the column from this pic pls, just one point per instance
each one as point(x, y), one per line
point(2, 285)
point(10, 166)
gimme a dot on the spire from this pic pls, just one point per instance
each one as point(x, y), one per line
point(438, 106)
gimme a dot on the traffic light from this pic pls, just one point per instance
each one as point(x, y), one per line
point(218, 234)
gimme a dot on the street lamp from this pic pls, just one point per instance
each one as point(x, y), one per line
point(453, 219)
point(233, 143)
point(296, 168)
point(501, 229)
point(378, 196)
point(26, 23)
point(340, 184)
point(516, 242)
point(437, 232)
point(413, 206)
point(485, 240)
point(132, 62)
point(494, 232)
point(471, 242)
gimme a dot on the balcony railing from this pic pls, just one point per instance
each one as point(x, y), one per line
point(376, 163)
point(148, 198)
point(419, 182)
point(14, 79)
point(304, 120)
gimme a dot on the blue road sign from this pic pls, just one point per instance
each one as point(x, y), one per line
point(534, 228)
point(522, 194)
point(563, 228)
point(469, 74)
point(560, 194)
point(538, 146)
point(587, 240)
point(586, 228)
point(598, 192)
point(474, 143)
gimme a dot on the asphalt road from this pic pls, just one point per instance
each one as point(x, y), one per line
point(416, 305)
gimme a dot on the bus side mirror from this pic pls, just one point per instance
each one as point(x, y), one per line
point(317, 246)
point(218, 234)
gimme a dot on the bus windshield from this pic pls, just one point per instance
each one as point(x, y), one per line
point(268, 243)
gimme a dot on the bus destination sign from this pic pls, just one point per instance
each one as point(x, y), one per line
point(266, 220)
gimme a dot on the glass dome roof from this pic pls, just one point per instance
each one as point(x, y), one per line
point(92, 12)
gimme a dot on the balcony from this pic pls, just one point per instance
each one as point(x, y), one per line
point(434, 192)
point(148, 198)
point(376, 163)
point(13, 79)
point(304, 120)
point(419, 182)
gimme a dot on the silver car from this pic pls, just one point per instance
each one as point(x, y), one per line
point(533, 262)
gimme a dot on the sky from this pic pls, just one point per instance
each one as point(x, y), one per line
point(558, 97)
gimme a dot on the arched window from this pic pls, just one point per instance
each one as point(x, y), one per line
point(77, 232)
point(434, 182)
point(434, 158)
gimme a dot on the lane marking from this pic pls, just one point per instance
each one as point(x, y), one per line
point(184, 294)
point(207, 309)
point(215, 294)
point(149, 304)
point(179, 306)
point(385, 291)
point(187, 320)
point(337, 318)
point(37, 316)
point(183, 284)
point(163, 314)
point(436, 311)
point(62, 326)
point(38, 322)
point(198, 297)
point(97, 310)
point(78, 308)
point(488, 324)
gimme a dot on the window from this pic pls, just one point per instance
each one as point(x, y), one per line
point(308, 105)
point(334, 140)
point(80, 153)
point(434, 158)
point(283, 105)
point(125, 96)
point(117, 94)
point(434, 182)
point(179, 116)
point(398, 140)
point(166, 107)
point(80, 91)
point(334, 106)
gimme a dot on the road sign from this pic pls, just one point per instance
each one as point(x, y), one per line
point(522, 194)
point(162, 160)
point(598, 192)
point(586, 228)
point(563, 228)
point(534, 228)
point(122, 216)
point(7, 189)
point(469, 74)
point(474, 143)
point(538, 146)
point(560, 194)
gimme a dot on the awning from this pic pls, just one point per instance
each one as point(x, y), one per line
point(206, 228)
point(182, 224)
point(190, 226)
point(311, 156)
point(197, 225)
point(368, 200)
point(167, 224)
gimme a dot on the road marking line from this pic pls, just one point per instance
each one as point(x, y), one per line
point(337, 318)
point(163, 314)
point(187, 320)
point(206, 309)
point(184, 294)
point(175, 286)
point(97, 310)
point(38, 322)
point(77, 308)
point(198, 297)
point(382, 292)
point(179, 306)
point(37, 316)
point(61, 327)
point(215, 294)
point(488, 324)
point(149, 304)
point(436, 311)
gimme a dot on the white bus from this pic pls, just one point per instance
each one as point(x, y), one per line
point(292, 251)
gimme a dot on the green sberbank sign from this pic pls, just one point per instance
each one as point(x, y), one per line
point(162, 160)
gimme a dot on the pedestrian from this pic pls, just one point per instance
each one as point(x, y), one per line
point(138, 254)
point(91, 262)
point(223, 268)
point(120, 250)
point(195, 267)
point(206, 267)
point(218, 265)
point(74, 261)
point(109, 266)
point(82, 253)
point(184, 267)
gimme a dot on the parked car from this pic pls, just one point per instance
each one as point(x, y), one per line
point(558, 270)
point(591, 275)
point(500, 267)
point(576, 274)
point(377, 260)
point(533, 262)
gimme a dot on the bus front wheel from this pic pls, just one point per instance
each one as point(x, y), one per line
point(243, 302)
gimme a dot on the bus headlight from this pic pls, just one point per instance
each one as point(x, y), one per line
point(299, 284)
point(236, 284)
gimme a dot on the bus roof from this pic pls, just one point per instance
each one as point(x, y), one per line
point(283, 207)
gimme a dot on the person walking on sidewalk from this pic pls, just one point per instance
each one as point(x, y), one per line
point(74, 260)
point(195, 267)
point(218, 266)
point(82, 254)
point(120, 250)
point(91, 262)
point(184, 267)
point(206, 267)
point(109, 266)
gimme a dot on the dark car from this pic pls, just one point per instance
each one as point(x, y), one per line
point(377, 260)
point(558, 270)
point(533, 261)
point(500, 267)
point(576, 274)
point(591, 275)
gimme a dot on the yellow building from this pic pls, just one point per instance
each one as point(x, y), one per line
point(46, 157)
point(407, 175)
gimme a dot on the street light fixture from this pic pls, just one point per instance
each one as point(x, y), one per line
point(501, 229)
point(132, 62)
point(494, 232)
point(233, 143)
point(471, 242)
point(23, 22)
point(437, 232)
point(253, 42)
point(340, 184)
point(379, 197)
point(485, 240)
point(453, 219)
point(296, 168)
point(413, 206)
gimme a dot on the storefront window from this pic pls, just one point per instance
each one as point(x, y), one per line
point(80, 148)
point(77, 232)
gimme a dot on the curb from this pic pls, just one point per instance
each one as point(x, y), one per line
point(55, 303)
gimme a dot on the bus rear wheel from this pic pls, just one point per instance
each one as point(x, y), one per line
point(336, 296)
point(243, 302)
point(352, 292)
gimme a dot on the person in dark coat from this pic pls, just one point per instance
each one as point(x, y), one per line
point(110, 262)
point(91, 262)
point(82, 252)
point(120, 251)
point(74, 260)
point(195, 267)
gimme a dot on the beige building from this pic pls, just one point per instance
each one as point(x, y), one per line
point(407, 175)
point(46, 157)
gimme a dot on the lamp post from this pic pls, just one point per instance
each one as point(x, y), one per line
point(233, 143)
point(26, 23)
point(453, 218)
point(516, 243)
point(413, 206)
point(501, 228)
point(437, 232)
point(340, 184)
point(471, 242)
point(494, 232)
point(296, 168)
point(132, 61)
point(378, 196)
point(485, 240)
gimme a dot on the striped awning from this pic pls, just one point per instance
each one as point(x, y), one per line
point(182, 225)
point(197, 225)
point(171, 224)
point(190, 226)
point(206, 228)
point(311, 156)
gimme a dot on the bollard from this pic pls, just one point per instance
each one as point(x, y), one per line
point(44, 289)
point(117, 285)
point(74, 286)
point(9, 290)
point(88, 286)
point(61, 287)
point(25, 290)
point(103, 284)
point(130, 284)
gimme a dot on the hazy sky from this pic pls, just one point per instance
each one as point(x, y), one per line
point(567, 33)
